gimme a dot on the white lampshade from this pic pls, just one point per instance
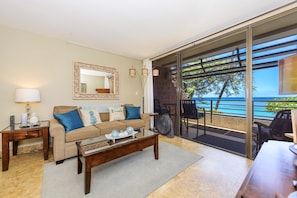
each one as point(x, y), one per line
point(27, 95)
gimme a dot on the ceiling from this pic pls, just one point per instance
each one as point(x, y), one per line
point(134, 28)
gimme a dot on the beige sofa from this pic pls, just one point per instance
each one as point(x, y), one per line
point(64, 143)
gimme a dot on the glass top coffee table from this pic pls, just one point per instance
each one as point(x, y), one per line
point(99, 150)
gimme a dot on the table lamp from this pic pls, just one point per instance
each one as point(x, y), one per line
point(27, 95)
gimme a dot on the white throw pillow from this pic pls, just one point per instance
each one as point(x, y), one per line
point(90, 117)
point(116, 113)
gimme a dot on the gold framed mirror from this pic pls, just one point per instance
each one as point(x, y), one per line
point(95, 82)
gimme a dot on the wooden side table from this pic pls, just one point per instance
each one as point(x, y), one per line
point(17, 134)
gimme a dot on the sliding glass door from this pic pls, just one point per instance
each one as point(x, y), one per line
point(232, 78)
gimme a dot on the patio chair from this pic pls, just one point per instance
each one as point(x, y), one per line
point(280, 125)
point(189, 111)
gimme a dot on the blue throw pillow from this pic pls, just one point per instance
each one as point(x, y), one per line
point(132, 112)
point(70, 120)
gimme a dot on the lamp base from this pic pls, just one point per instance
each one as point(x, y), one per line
point(24, 126)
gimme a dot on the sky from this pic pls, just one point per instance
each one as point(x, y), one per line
point(265, 83)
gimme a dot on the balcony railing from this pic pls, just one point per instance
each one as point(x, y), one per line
point(237, 107)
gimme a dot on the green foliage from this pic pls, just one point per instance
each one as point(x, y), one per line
point(281, 103)
point(221, 84)
point(199, 86)
point(213, 111)
point(227, 84)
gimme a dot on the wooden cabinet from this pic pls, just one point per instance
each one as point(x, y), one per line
point(103, 90)
point(272, 173)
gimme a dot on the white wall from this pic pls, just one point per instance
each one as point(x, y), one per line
point(34, 61)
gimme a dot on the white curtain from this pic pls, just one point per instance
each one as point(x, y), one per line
point(148, 105)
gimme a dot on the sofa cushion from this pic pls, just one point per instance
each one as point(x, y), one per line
point(90, 117)
point(116, 113)
point(136, 123)
point(82, 133)
point(107, 127)
point(70, 120)
point(132, 112)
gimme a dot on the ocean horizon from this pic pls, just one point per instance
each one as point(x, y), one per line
point(236, 106)
point(240, 98)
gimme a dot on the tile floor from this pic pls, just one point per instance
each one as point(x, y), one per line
point(217, 174)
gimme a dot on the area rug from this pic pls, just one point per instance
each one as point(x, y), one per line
point(135, 175)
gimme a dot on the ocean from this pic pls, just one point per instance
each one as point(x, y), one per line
point(236, 106)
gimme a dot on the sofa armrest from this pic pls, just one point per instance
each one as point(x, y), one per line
point(56, 128)
point(146, 119)
point(57, 132)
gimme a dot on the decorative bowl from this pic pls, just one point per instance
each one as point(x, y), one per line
point(130, 130)
point(115, 133)
point(123, 133)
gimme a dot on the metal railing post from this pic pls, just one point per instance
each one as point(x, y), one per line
point(210, 111)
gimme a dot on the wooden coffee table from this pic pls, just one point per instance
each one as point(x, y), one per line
point(100, 150)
